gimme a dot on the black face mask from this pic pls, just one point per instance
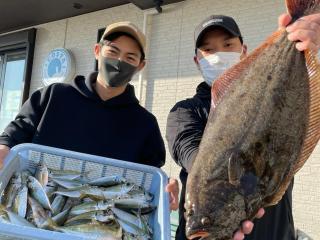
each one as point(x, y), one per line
point(115, 72)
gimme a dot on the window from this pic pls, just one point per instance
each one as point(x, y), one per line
point(11, 83)
point(16, 57)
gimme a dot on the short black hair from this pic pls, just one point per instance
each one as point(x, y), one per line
point(113, 36)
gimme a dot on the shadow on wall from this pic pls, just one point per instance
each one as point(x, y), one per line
point(169, 62)
point(161, 68)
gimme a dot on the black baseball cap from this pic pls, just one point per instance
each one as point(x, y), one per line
point(225, 22)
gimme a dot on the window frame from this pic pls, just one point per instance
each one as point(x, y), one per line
point(16, 41)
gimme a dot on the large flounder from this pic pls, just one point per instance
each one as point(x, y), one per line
point(263, 125)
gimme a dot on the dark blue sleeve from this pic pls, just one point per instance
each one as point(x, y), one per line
point(24, 126)
point(154, 152)
point(185, 128)
point(277, 222)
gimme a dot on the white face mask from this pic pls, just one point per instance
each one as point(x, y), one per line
point(212, 66)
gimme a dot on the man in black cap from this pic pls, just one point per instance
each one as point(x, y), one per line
point(218, 46)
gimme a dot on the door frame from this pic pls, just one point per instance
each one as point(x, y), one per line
point(21, 40)
point(2, 61)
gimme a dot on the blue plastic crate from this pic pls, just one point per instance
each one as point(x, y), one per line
point(28, 156)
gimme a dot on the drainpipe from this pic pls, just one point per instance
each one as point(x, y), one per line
point(146, 14)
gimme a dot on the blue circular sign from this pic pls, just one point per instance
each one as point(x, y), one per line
point(58, 67)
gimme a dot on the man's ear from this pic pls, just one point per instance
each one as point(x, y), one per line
point(141, 65)
point(244, 51)
point(97, 48)
point(196, 61)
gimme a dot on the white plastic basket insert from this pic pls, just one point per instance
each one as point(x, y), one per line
point(28, 156)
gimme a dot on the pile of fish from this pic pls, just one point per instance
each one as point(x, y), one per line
point(63, 200)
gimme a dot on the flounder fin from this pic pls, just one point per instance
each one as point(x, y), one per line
point(299, 8)
point(223, 83)
point(313, 128)
point(295, 9)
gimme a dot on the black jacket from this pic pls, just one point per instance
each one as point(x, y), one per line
point(74, 117)
point(185, 127)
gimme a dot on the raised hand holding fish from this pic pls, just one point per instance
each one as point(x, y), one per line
point(173, 189)
point(306, 30)
point(4, 150)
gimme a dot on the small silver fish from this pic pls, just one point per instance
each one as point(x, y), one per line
point(38, 193)
point(140, 192)
point(95, 230)
point(16, 219)
point(125, 216)
point(99, 216)
point(58, 204)
point(24, 176)
point(42, 174)
point(139, 221)
point(107, 181)
point(16, 177)
point(71, 202)
point(68, 184)
point(132, 229)
point(10, 194)
point(3, 214)
point(134, 203)
point(61, 218)
point(64, 174)
point(40, 217)
point(72, 193)
point(128, 236)
point(4, 218)
point(97, 193)
point(87, 200)
point(20, 202)
point(90, 207)
point(11, 190)
point(117, 191)
point(50, 188)
point(29, 215)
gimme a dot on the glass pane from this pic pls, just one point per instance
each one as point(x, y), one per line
point(12, 88)
point(1, 67)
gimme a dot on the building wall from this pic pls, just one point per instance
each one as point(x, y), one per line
point(170, 74)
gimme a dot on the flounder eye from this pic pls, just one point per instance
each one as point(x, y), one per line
point(205, 221)
point(190, 212)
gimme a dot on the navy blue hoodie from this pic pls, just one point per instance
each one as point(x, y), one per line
point(74, 117)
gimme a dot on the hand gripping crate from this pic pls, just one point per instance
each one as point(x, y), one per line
point(28, 156)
